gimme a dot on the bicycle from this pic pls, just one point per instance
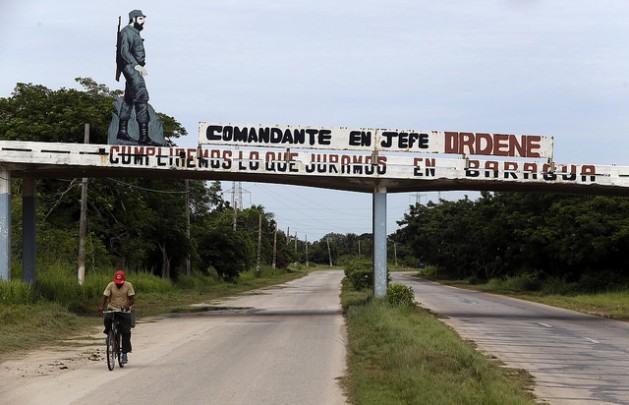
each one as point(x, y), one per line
point(114, 341)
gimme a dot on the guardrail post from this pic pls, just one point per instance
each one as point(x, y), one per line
point(5, 224)
point(379, 242)
point(28, 230)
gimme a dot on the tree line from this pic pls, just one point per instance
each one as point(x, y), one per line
point(578, 239)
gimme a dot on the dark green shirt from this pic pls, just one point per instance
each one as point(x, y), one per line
point(131, 47)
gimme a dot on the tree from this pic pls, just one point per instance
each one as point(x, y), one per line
point(567, 237)
point(136, 223)
point(230, 252)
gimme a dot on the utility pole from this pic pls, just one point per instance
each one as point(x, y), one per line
point(187, 200)
point(259, 244)
point(274, 246)
point(395, 252)
point(235, 208)
point(83, 217)
point(329, 252)
point(236, 200)
point(307, 264)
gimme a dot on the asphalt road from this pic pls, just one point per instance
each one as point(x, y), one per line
point(279, 345)
point(575, 358)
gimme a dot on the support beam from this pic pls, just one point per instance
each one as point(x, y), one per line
point(5, 224)
point(29, 251)
point(379, 242)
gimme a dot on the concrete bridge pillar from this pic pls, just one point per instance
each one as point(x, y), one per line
point(379, 242)
point(5, 223)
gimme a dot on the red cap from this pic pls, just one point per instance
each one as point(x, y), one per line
point(119, 277)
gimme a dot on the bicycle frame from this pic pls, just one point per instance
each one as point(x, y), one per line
point(113, 341)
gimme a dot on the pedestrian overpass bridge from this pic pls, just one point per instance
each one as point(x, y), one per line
point(362, 160)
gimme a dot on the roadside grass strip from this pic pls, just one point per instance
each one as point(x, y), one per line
point(405, 355)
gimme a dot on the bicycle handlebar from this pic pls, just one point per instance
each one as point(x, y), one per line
point(111, 311)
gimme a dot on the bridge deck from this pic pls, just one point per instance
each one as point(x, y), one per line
point(330, 170)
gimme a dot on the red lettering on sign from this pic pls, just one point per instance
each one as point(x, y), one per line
point(468, 143)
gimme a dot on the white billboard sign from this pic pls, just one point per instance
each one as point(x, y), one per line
point(380, 140)
point(332, 169)
point(358, 165)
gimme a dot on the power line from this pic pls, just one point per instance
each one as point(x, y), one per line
point(146, 189)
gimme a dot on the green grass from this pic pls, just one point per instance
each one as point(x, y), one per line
point(351, 297)
point(609, 305)
point(404, 355)
point(29, 326)
point(16, 292)
point(612, 304)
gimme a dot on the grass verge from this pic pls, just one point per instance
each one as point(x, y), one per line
point(28, 326)
point(405, 355)
point(612, 304)
point(609, 305)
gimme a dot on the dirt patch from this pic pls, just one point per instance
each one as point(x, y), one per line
point(68, 355)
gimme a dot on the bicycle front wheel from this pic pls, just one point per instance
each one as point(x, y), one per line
point(111, 350)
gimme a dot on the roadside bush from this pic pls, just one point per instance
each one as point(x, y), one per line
point(474, 280)
point(554, 285)
point(16, 292)
point(410, 262)
point(94, 285)
point(428, 272)
point(360, 279)
point(359, 273)
point(147, 283)
point(600, 282)
point(400, 295)
point(57, 285)
point(195, 280)
point(521, 282)
point(350, 296)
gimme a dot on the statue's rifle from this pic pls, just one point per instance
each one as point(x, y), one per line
point(118, 52)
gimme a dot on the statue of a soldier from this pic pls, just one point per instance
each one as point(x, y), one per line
point(131, 61)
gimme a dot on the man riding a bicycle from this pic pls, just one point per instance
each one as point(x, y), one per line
point(121, 297)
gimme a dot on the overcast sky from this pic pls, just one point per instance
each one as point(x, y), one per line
point(555, 68)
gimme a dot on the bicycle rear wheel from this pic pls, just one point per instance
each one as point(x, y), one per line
point(111, 350)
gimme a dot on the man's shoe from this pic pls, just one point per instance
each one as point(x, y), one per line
point(125, 360)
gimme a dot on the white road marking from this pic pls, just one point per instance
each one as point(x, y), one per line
point(545, 324)
point(592, 340)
